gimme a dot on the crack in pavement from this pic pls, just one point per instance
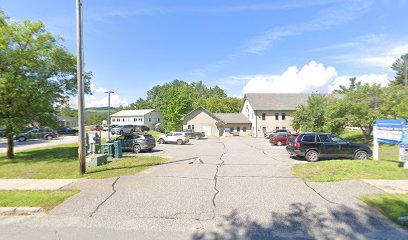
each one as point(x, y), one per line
point(324, 198)
point(216, 177)
point(106, 199)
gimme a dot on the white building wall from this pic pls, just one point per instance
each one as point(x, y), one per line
point(149, 120)
point(249, 112)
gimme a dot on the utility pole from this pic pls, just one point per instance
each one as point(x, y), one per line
point(109, 93)
point(405, 70)
point(80, 80)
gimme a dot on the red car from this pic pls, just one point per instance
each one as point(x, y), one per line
point(280, 139)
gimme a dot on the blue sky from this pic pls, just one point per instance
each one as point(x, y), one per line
point(242, 46)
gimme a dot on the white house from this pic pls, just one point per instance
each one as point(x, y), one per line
point(143, 117)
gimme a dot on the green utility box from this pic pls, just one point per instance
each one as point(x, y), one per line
point(108, 149)
point(117, 149)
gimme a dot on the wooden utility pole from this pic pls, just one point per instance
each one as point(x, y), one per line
point(109, 119)
point(80, 78)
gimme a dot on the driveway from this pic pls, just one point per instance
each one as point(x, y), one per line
point(219, 188)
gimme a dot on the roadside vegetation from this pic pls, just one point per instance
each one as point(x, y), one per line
point(62, 162)
point(45, 199)
point(391, 205)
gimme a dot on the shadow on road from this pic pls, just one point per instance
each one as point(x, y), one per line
point(304, 221)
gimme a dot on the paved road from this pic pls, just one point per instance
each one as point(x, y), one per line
point(228, 188)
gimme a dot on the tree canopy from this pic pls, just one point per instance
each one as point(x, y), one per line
point(174, 100)
point(37, 74)
point(399, 68)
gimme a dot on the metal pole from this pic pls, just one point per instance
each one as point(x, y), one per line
point(80, 80)
point(109, 93)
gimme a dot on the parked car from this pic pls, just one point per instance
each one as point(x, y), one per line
point(37, 134)
point(136, 142)
point(280, 139)
point(96, 128)
point(67, 131)
point(191, 134)
point(314, 146)
point(123, 129)
point(141, 128)
point(268, 135)
point(174, 137)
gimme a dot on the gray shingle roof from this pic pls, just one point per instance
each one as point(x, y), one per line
point(232, 117)
point(276, 101)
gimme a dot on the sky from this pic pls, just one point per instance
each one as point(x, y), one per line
point(253, 46)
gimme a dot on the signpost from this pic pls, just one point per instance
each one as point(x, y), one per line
point(392, 132)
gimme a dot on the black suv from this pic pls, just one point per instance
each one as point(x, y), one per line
point(313, 146)
point(137, 142)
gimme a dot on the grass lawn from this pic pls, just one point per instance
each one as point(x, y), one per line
point(45, 199)
point(391, 205)
point(62, 162)
point(155, 134)
point(388, 167)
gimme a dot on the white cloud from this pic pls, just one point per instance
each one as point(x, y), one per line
point(312, 77)
point(100, 99)
point(370, 79)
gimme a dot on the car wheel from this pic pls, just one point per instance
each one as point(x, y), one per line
point(161, 141)
point(312, 156)
point(136, 148)
point(279, 143)
point(197, 137)
point(49, 137)
point(361, 155)
point(179, 141)
point(76, 134)
point(21, 139)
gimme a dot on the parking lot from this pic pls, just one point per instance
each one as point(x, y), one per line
point(215, 188)
point(18, 146)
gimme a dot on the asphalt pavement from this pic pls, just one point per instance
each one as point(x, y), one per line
point(218, 188)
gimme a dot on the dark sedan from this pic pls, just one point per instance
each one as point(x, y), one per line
point(67, 131)
point(136, 142)
point(314, 146)
point(37, 134)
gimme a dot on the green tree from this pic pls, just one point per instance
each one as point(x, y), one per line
point(354, 84)
point(399, 68)
point(220, 105)
point(311, 118)
point(140, 104)
point(173, 100)
point(36, 75)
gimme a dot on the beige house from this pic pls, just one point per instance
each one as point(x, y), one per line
point(68, 121)
point(217, 124)
point(270, 111)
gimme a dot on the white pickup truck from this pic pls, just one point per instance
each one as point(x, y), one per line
point(174, 137)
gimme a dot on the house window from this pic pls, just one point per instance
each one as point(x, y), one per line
point(123, 119)
point(232, 129)
point(134, 119)
point(118, 119)
point(252, 116)
point(192, 127)
point(113, 120)
point(150, 119)
point(284, 128)
point(244, 129)
point(283, 116)
point(238, 129)
point(189, 126)
point(277, 128)
point(263, 116)
point(158, 119)
point(276, 116)
point(140, 119)
point(264, 129)
point(247, 107)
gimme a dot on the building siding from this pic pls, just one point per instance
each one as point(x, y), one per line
point(200, 119)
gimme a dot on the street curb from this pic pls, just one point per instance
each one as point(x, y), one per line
point(20, 210)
